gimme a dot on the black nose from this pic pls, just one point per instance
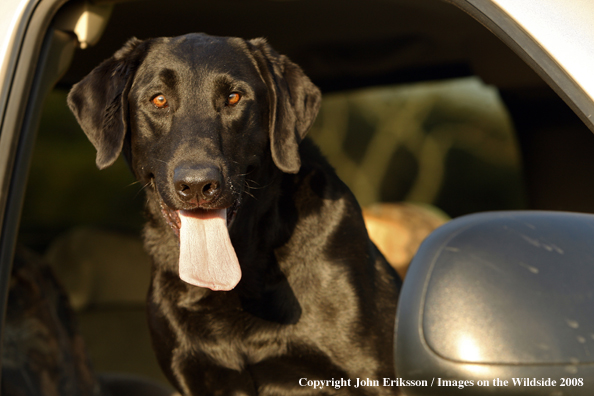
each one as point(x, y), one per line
point(198, 184)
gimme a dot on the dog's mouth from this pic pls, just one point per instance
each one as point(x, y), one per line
point(173, 220)
point(207, 258)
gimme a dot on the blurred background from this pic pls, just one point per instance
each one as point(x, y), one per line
point(447, 143)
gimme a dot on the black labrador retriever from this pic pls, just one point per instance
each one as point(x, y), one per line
point(264, 278)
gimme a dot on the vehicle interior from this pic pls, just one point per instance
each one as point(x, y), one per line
point(424, 108)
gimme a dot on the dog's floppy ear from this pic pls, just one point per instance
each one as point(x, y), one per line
point(294, 104)
point(100, 102)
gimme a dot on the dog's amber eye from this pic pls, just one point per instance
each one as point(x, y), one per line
point(233, 99)
point(160, 101)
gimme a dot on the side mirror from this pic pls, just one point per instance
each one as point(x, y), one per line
point(501, 303)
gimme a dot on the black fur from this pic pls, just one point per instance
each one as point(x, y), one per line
point(316, 299)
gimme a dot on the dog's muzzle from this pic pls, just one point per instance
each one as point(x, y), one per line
point(207, 257)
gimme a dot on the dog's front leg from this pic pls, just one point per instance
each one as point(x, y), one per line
point(200, 380)
point(195, 366)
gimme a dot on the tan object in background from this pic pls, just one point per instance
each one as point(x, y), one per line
point(398, 229)
point(100, 267)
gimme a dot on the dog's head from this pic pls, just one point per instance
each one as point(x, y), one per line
point(194, 115)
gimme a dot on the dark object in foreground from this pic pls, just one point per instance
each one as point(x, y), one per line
point(42, 352)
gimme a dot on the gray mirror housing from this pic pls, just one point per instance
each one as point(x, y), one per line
point(502, 295)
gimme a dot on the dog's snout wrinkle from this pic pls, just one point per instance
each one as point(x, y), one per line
point(198, 184)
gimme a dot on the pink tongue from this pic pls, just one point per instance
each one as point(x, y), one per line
point(206, 257)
